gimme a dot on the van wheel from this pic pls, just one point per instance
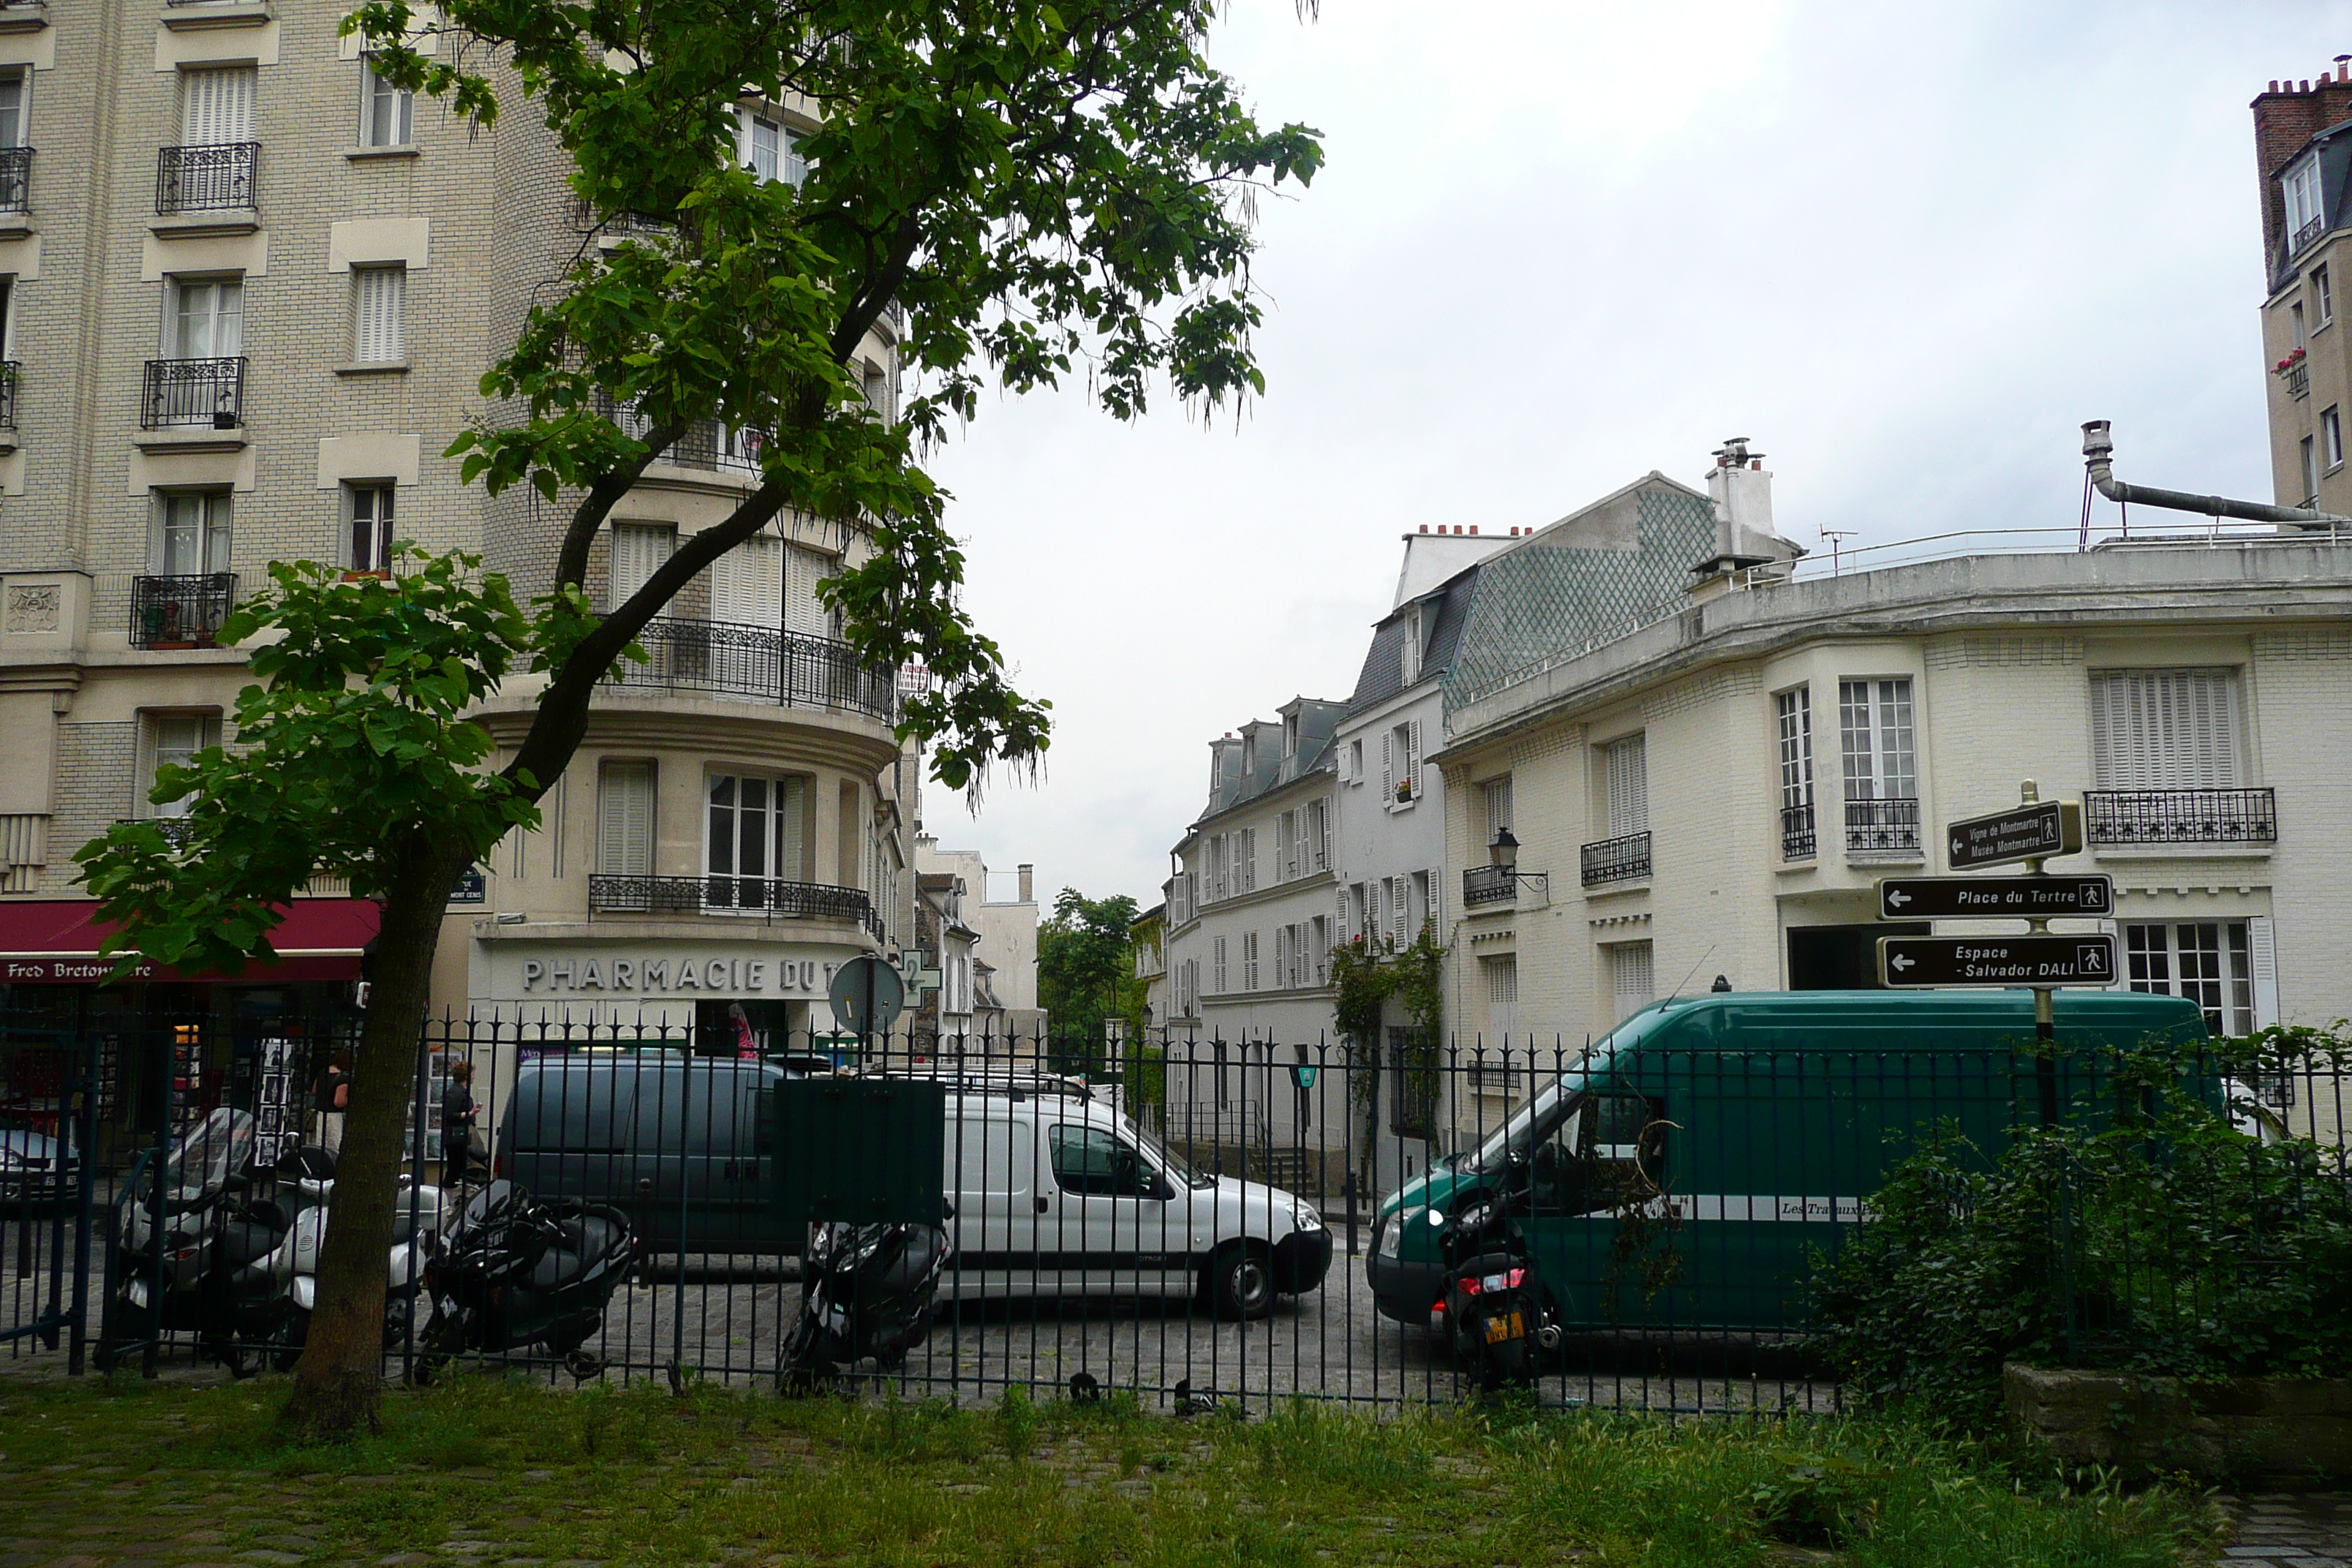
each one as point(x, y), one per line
point(1240, 1281)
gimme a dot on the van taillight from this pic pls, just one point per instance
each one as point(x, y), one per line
point(498, 1165)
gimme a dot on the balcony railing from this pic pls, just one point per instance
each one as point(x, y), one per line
point(2307, 235)
point(767, 896)
point(8, 369)
point(216, 178)
point(784, 667)
point(174, 829)
point(584, 220)
point(16, 179)
point(2181, 816)
point(1487, 885)
point(2297, 377)
point(193, 391)
point(1882, 826)
point(1798, 839)
point(707, 443)
point(1624, 859)
point(180, 611)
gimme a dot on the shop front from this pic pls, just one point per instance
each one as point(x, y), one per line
point(167, 1046)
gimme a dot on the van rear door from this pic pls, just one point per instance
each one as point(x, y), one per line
point(991, 1178)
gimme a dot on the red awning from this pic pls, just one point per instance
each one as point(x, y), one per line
point(54, 941)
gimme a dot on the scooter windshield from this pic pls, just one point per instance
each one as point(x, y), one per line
point(214, 1149)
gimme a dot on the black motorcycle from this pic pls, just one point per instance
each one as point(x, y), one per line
point(196, 1253)
point(514, 1273)
point(865, 1293)
point(1496, 1309)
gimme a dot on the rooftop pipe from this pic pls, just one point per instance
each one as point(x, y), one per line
point(2097, 448)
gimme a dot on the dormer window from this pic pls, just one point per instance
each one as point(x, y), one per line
point(1413, 644)
point(2304, 218)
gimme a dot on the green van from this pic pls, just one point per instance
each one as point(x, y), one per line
point(1676, 1174)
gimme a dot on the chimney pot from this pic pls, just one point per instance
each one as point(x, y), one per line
point(1473, 527)
point(2274, 87)
point(2304, 87)
point(1028, 884)
point(1424, 528)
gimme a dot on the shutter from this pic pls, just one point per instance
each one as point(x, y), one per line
point(638, 551)
point(1388, 767)
point(381, 296)
point(803, 613)
point(747, 587)
point(1437, 898)
point(2262, 944)
point(625, 844)
point(1413, 756)
point(1339, 923)
point(217, 107)
point(1626, 767)
point(742, 137)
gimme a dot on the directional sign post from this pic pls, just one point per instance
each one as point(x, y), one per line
point(1994, 897)
point(2030, 832)
point(2040, 960)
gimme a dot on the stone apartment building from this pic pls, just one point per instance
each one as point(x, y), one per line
point(249, 293)
point(2303, 149)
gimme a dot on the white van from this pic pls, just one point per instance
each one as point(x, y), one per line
point(1051, 1192)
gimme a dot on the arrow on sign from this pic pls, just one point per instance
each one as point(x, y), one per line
point(1899, 962)
point(1959, 845)
point(1898, 897)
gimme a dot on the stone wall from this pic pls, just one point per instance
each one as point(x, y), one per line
point(2276, 1430)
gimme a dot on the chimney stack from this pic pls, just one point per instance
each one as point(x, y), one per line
point(1028, 883)
point(1743, 500)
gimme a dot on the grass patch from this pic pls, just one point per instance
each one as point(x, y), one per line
point(498, 1469)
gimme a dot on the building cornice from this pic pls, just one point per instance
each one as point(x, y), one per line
point(1268, 894)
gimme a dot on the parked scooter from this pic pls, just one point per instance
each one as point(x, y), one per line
point(306, 1184)
point(865, 1290)
point(217, 1267)
point(1495, 1310)
point(513, 1273)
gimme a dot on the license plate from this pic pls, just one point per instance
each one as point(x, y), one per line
point(1505, 1328)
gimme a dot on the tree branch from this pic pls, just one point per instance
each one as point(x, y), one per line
point(572, 562)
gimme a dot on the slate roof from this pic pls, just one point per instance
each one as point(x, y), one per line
point(1382, 675)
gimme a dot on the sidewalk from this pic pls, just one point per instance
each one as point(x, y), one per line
point(2283, 1530)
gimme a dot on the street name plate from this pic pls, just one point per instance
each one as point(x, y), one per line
point(1997, 960)
point(1986, 898)
point(2021, 833)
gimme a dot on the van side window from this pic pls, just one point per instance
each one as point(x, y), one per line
point(1094, 1162)
point(1556, 1173)
point(1627, 1149)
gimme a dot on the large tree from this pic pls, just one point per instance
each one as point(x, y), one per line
point(1045, 188)
point(1086, 970)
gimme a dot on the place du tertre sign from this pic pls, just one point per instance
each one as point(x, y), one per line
point(1994, 897)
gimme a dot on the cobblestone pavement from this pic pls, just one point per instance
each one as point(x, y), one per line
point(2278, 1530)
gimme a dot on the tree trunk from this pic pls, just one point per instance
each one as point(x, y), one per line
point(339, 1378)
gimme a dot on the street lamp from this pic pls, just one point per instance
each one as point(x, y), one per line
point(1504, 853)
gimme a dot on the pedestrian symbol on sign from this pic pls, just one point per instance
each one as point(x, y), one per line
point(2091, 957)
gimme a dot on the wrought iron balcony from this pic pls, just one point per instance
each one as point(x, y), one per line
point(707, 443)
point(765, 896)
point(784, 667)
point(216, 178)
point(1798, 839)
point(2297, 377)
point(1882, 826)
point(16, 179)
point(1622, 859)
point(8, 369)
point(1487, 885)
point(2181, 816)
point(193, 391)
point(2307, 235)
point(585, 220)
point(174, 829)
point(180, 611)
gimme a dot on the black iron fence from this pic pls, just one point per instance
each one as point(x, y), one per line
point(183, 611)
point(732, 659)
point(1622, 860)
point(203, 392)
point(217, 178)
point(1882, 826)
point(16, 179)
point(2180, 817)
point(1489, 885)
point(1186, 1218)
point(721, 895)
point(1798, 839)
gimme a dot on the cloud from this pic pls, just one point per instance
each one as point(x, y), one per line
point(1907, 249)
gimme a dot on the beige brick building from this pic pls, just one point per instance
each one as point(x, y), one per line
point(249, 295)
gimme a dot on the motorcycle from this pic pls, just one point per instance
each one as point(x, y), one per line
point(1496, 1309)
point(307, 1178)
point(865, 1291)
point(195, 1254)
point(514, 1272)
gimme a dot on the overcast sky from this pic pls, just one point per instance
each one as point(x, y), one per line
point(1907, 249)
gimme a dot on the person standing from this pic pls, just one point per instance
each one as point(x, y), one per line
point(456, 1122)
point(747, 1043)
point(332, 1099)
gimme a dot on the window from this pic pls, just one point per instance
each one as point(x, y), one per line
point(1285, 846)
point(173, 742)
point(804, 612)
point(378, 294)
point(1874, 724)
point(2165, 728)
point(1625, 777)
point(746, 586)
point(1245, 860)
point(769, 148)
point(1356, 762)
point(1401, 762)
point(370, 506)
point(192, 533)
point(1217, 965)
point(13, 119)
point(638, 551)
point(2211, 962)
point(1319, 835)
point(1096, 1163)
point(2294, 317)
point(2301, 187)
point(2310, 471)
point(2331, 438)
point(385, 110)
point(1249, 961)
point(217, 105)
point(753, 837)
point(1630, 985)
point(624, 819)
point(205, 319)
point(1217, 882)
point(875, 387)
point(1502, 975)
point(1498, 794)
point(1319, 949)
point(1412, 1098)
point(1424, 911)
point(1795, 716)
point(2323, 295)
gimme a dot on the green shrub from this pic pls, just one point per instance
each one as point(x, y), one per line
point(2155, 1238)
